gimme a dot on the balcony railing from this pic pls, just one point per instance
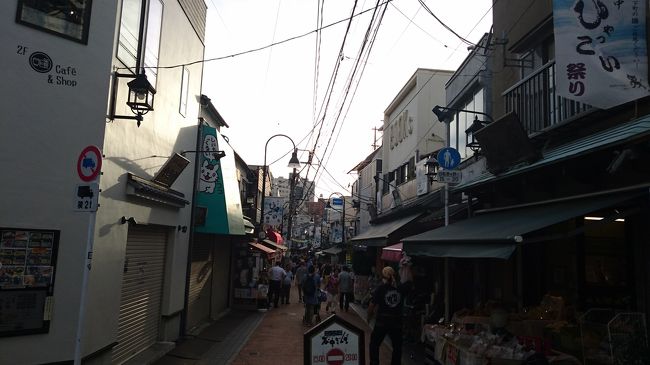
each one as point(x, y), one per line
point(536, 103)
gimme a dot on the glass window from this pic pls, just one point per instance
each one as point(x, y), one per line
point(129, 32)
point(127, 49)
point(152, 44)
point(185, 85)
point(453, 132)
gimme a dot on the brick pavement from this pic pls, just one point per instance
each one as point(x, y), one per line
point(279, 337)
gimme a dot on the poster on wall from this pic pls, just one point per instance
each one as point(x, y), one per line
point(600, 51)
point(68, 19)
point(27, 263)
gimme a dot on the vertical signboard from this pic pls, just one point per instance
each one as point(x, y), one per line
point(217, 195)
point(600, 51)
point(274, 210)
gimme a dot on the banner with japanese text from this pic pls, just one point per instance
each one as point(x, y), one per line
point(274, 210)
point(600, 51)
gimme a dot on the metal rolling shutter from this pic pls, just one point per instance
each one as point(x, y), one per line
point(200, 288)
point(141, 291)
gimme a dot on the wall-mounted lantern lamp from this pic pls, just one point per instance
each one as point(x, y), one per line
point(476, 126)
point(432, 166)
point(140, 99)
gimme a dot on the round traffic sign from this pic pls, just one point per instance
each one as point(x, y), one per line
point(89, 163)
point(448, 158)
point(335, 357)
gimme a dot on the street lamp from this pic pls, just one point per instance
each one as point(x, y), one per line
point(342, 214)
point(294, 163)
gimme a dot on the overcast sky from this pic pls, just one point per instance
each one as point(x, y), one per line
point(270, 91)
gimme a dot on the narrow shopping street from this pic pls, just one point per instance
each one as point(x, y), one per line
point(273, 337)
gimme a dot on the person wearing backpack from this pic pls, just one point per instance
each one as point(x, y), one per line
point(310, 289)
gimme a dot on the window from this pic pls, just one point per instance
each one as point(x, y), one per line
point(463, 120)
point(185, 85)
point(127, 50)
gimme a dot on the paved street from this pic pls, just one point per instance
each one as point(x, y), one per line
point(274, 337)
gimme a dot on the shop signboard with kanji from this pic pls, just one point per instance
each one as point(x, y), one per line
point(334, 342)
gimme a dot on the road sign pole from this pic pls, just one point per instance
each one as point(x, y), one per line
point(90, 237)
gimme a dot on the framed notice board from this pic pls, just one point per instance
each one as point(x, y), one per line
point(27, 266)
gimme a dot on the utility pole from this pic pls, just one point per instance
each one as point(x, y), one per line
point(374, 138)
point(292, 183)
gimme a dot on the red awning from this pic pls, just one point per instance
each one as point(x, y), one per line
point(274, 236)
point(268, 251)
point(392, 253)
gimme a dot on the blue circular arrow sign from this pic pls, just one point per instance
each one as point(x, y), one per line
point(448, 158)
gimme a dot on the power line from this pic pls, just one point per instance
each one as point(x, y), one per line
point(264, 47)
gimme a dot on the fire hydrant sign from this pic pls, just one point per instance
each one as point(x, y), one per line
point(334, 342)
point(89, 164)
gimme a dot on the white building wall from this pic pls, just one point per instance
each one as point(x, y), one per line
point(44, 128)
point(50, 125)
point(410, 126)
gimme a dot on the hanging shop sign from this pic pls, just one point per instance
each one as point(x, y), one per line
point(600, 51)
point(334, 341)
point(27, 266)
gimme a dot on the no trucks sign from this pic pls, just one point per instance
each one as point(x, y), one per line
point(334, 342)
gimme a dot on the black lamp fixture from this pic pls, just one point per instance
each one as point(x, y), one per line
point(432, 166)
point(476, 126)
point(141, 92)
point(294, 163)
point(140, 99)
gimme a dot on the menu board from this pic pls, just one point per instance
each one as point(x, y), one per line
point(27, 263)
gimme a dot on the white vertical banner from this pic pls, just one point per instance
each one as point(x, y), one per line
point(600, 51)
point(274, 210)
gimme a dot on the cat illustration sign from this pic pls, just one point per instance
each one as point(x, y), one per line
point(89, 163)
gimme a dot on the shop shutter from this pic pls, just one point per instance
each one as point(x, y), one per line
point(142, 285)
point(200, 292)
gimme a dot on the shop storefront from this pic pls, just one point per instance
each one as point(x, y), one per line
point(548, 263)
point(251, 263)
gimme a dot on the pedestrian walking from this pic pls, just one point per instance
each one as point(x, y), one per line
point(332, 289)
point(276, 275)
point(310, 289)
point(301, 273)
point(386, 306)
point(346, 288)
point(286, 286)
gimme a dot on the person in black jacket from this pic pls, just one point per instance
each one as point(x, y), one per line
point(386, 305)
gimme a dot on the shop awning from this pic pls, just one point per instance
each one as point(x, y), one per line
point(274, 245)
point(495, 234)
point(627, 132)
point(392, 253)
point(332, 251)
point(377, 235)
point(268, 251)
point(274, 236)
